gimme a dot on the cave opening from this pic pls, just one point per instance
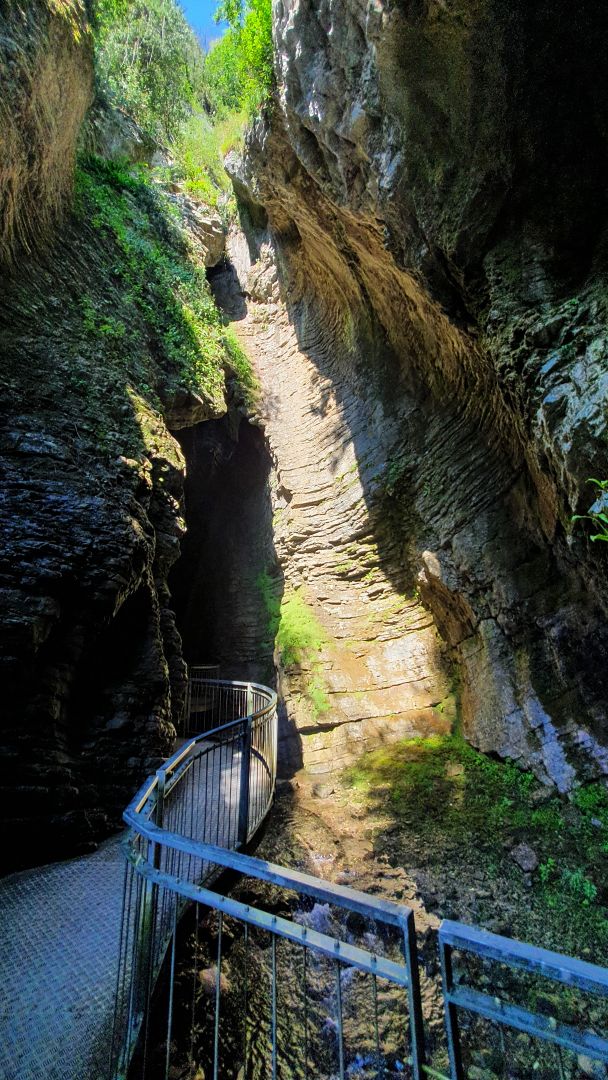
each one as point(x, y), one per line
point(215, 584)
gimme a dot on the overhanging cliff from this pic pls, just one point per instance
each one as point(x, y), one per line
point(435, 204)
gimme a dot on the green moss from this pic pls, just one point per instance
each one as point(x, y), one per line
point(299, 637)
point(299, 633)
point(162, 283)
point(200, 151)
point(453, 795)
point(238, 364)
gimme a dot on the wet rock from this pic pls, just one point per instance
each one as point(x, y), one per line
point(322, 791)
point(208, 980)
point(591, 1068)
point(525, 857)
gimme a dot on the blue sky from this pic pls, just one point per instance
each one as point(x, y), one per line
point(200, 16)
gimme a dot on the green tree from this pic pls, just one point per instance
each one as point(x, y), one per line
point(238, 68)
point(151, 62)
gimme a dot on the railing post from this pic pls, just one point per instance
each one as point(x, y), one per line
point(159, 812)
point(451, 1012)
point(187, 705)
point(244, 782)
point(414, 996)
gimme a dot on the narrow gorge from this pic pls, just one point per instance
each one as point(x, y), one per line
point(326, 412)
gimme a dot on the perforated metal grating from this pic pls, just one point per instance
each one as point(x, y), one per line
point(58, 959)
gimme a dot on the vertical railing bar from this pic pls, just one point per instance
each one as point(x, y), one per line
point(171, 984)
point(217, 751)
point(379, 1061)
point(304, 988)
point(231, 805)
point(560, 1061)
point(274, 1007)
point(218, 976)
point(118, 995)
point(339, 1020)
point(151, 967)
point(205, 816)
point(131, 1019)
point(451, 1012)
point(243, 825)
point(246, 1002)
point(194, 977)
point(414, 996)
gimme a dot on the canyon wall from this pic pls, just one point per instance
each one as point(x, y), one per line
point(420, 281)
point(91, 509)
point(429, 183)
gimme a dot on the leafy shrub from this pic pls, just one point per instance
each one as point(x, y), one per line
point(150, 60)
point(200, 149)
point(598, 517)
point(239, 69)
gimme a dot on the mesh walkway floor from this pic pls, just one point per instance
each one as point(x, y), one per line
point(58, 962)
point(59, 945)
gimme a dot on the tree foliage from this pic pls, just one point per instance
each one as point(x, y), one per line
point(238, 67)
point(149, 58)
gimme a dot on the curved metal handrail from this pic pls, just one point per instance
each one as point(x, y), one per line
point(213, 792)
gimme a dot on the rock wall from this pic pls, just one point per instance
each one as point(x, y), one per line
point(46, 69)
point(91, 508)
point(374, 669)
point(431, 181)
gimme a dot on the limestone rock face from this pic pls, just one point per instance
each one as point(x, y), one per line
point(91, 503)
point(205, 228)
point(444, 278)
point(379, 672)
point(113, 134)
point(46, 70)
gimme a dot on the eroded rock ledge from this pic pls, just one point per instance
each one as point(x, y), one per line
point(443, 277)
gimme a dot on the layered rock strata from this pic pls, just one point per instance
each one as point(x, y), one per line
point(444, 278)
point(378, 672)
point(91, 509)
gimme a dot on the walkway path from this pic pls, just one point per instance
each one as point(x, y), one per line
point(59, 953)
point(60, 931)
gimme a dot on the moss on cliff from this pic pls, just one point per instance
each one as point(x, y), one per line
point(455, 804)
point(110, 341)
point(163, 284)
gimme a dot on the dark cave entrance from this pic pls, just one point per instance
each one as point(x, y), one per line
point(215, 583)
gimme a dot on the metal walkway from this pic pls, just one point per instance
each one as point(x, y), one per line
point(61, 923)
point(58, 957)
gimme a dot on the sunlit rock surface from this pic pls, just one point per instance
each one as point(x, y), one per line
point(444, 277)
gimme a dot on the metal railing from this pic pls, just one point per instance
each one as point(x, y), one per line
point(296, 1008)
point(498, 952)
point(202, 706)
point(216, 789)
point(325, 984)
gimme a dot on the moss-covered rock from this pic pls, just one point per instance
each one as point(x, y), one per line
point(110, 339)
